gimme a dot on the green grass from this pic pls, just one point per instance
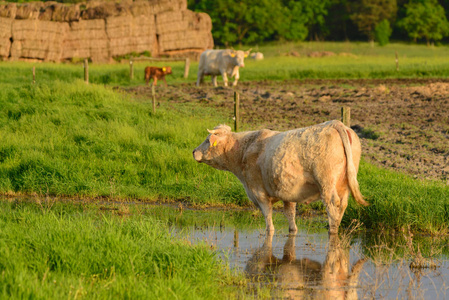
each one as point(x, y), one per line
point(63, 250)
point(415, 61)
point(61, 137)
point(86, 140)
point(398, 201)
point(356, 48)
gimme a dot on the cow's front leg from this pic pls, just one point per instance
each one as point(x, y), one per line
point(236, 78)
point(267, 211)
point(154, 80)
point(225, 78)
point(214, 80)
point(290, 213)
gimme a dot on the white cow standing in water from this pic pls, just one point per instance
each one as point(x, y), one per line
point(221, 62)
point(296, 166)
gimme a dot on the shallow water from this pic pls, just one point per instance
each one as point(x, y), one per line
point(310, 266)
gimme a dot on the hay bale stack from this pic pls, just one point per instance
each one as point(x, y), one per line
point(192, 31)
point(100, 30)
point(131, 34)
point(34, 39)
point(5, 35)
point(87, 38)
point(170, 21)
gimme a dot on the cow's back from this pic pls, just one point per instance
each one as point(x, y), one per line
point(210, 62)
point(293, 159)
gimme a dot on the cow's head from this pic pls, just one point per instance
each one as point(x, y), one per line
point(212, 149)
point(239, 57)
point(166, 70)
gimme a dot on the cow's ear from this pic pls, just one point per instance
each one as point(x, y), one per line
point(213, 140)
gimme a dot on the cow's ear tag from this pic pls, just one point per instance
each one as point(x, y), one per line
point(164, 69)
point(213, 141)
point(246, 55)
point(232, 55)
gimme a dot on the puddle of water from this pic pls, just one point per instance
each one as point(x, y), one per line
point(310, 266)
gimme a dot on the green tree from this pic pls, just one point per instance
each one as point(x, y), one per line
point(250, 21)
point(383, 32)
point(245, 21)
point(368, 13)
point(425, 19)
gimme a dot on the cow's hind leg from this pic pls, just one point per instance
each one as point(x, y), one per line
point(214, 80)
point(199, 79)
point(290, 213)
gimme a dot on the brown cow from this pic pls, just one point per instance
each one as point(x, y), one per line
point(301, 165)
point(156, 73)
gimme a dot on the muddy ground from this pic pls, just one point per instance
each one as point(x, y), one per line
point(403, 123)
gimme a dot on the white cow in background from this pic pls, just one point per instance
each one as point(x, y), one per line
point(221, 62)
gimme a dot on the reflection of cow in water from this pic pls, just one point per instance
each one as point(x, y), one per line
point(329, 280)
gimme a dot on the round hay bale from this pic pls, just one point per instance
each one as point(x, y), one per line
point(29, 10)
point(8, 10)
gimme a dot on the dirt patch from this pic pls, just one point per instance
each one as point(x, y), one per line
point(403, 123)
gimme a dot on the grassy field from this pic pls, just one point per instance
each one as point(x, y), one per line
point(78, 140)
point(77, 251)
point(351, 60)
point(86, 140)
point(62, 137)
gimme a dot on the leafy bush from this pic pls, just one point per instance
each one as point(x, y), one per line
point(383, 32)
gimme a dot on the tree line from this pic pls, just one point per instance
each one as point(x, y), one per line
point(255, 21)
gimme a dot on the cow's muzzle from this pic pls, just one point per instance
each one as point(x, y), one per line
point(197, 155)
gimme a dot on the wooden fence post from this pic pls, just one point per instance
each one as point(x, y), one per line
point(236, 239)
point(34, 75)
point(86, 70)
point(153, 93)
point(186, 68)
point(236, 111)
point(346, 115)
point(397, 61)
point(131, 69)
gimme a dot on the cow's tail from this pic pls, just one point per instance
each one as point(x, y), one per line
point(350, 167)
